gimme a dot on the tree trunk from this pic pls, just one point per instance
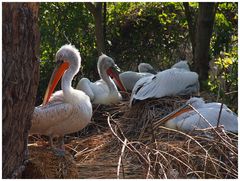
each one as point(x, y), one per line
point(96, 11)
point(203, 34)
point(20, 80)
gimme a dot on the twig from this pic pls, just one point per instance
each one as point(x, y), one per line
point(130, 147)
point(120, 160)
point(66, 37)
point(219, 115)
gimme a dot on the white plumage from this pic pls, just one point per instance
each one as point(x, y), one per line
point(68, 110)
point(146, 68)
point(182, 64)
point(191, 120)
point(129, 78)
point(170, 82)
point(103, 91)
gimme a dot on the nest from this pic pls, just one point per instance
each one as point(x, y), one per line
point(123, 142)
point(44, 163)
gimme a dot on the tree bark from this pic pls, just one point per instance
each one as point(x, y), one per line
point(20, 80)
point(203, 34)
point(96, 11)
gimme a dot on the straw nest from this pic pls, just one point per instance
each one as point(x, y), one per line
point(125, 142)
point(44, 163)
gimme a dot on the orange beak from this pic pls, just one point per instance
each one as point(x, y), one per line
point(176, 113)
point(114, 73)
point(59, 70)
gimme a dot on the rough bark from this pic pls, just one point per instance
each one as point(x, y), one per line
point(96, 10)
point(20, 50)
point(204, 29)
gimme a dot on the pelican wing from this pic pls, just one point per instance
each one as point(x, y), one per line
point(166, 83)
point(85, 85)
point(44, 117)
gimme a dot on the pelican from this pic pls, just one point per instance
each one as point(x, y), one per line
point(187, 119)
point(146, 67)
point(182, 64)
point(170, 82)
point(129, 78)
point(68, 110)
point(103, 91)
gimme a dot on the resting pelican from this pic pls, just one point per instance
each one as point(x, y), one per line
point(170, 82)
point(186, 119)
point(146, 67)
point(103, 91)
point(182, 64)
point(68, 110)
point(129, 78)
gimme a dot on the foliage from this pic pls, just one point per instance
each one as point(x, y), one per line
point(223, 79)
point(62, 23)
point(153, 32)
point(146, 32)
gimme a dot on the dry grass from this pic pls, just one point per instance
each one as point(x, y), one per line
point(124, 143)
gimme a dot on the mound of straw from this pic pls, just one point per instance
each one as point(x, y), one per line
point(124, 142)
point(45, 163)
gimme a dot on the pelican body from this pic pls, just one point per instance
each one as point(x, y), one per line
point(68, 110)
point(129, 78)
point(170, 82)
point(186, 119)
point(103, 91)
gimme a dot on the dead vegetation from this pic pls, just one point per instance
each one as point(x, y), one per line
point(123, 142)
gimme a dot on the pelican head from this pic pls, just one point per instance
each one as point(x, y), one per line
point(67, 57)
point(196, 102)
point(70, 55)
point(181, 65)
point(145, 67)
point(107, 64)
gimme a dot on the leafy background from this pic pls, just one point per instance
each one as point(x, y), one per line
point(152, 32)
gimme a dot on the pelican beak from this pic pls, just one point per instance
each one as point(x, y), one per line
point(114, 73)
point(176, 113)
point(56, 76)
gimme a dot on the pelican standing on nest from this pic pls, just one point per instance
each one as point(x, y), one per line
point(170, 82)
point(187, 119)
point(103, 91)
point(68, 110)
point(129, 78)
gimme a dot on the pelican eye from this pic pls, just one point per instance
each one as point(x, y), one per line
point(60, 61)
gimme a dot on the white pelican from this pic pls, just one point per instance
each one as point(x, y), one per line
point(182, 64)
point(129, 78)
point(186, 119)
point(68, 110)
point(170, 82)
point(103, 91)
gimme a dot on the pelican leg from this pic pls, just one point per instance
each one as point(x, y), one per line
point(60, 150)
point(51, 141)
point(61, 142)
point(57, 151)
